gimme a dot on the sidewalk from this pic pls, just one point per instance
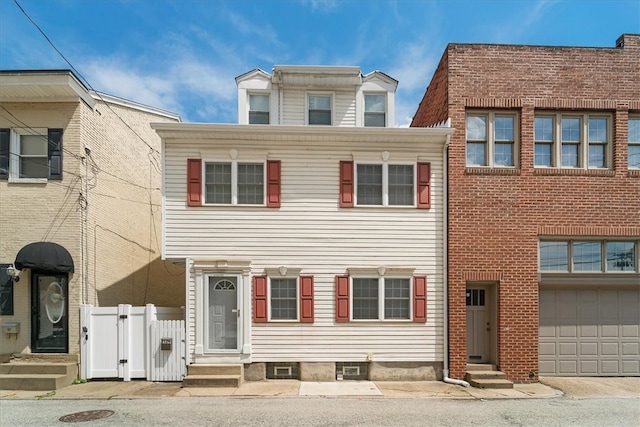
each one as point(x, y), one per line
point(279, 388)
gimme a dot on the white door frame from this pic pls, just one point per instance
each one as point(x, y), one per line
point(201, 270)
point(237, 310)
point(486, 331)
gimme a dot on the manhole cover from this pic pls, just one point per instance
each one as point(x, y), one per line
point(80, 417)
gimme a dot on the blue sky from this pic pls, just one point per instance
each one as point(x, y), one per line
point(183, 55)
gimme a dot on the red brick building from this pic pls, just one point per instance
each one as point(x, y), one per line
point(543, 206)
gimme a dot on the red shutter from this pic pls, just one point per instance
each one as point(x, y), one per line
point(259, 299)
point(306, 299)
point(273, 183)
point(424, 185)
point(342, 298)
point(194, 182)
point(420, 299)
point(346, 184)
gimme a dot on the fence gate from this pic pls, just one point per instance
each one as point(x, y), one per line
point(124, 342)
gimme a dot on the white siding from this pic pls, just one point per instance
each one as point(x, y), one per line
point(310, 231)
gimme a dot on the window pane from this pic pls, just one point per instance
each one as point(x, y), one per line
point(476, 154)
point(543, 129)
point(258, 118)
point(33, 145)
point(218, 183)
point(587, 256)
point(543, 155)
point(369, 189)
point(374, 119)
point(375, 103)
point(320, 117)
point(503, 128)
point(570, 155)
point(283, 299)
point(597, 129)
point(259, 102)
point(571, 129)
point(396, 298)
point(503, 154)
point(319, 102)
point(365, 298)
point(476, 128)
point(401, 189)
point(634, 143)
point(553, 256)
point(621, 256)
point(597, 155)
point(250, 183)
point(34, 167)
point(634, 156)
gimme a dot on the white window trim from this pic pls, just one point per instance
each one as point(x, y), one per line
point(332, 97)
point(490, 138)
point(287, 276)
point(14, 150)
point(381, 282)
point(386, 107)
point(234, 182)
point(583, 144)
point(385, 183)
point(630, 143)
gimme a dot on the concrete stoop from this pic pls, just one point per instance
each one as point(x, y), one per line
point(38, 376)
point(214, 375)
point(486, 376)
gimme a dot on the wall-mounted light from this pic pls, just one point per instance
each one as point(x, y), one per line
point(13, 273)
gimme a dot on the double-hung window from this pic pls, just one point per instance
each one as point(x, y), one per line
point(234, 183)
point(381, 294)
point(381, 298)
point(30, 155)
point(634, 143)
point(572, 140)
point(375, 108)
point(283, 295)
point(319, 109)
point(491, 139)
point(258, 109)
point(385, 184)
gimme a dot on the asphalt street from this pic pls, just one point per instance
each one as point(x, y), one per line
point(328, 411)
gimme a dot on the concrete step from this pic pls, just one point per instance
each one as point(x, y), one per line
point(33, 381)
point(37, 375)
point(485, 375)
point(212, 381)
point(215, 369)
point(490, 383)
point(480, 367)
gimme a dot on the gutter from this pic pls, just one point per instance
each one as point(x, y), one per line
point(445, 300)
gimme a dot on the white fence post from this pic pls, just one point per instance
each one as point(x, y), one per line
point(150, 317)
point(85, 346)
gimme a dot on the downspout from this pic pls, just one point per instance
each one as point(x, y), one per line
point(445, 300)
point(280, 97)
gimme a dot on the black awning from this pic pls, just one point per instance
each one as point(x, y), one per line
point(46, 256)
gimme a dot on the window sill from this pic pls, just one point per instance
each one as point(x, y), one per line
point(618, 278)
point(634, 173)
point(28, 180)
point(477, 170)
point(574, 172)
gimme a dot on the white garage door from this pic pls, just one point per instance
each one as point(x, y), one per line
point(590, 332)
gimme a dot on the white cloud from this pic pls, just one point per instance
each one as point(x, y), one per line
point(322, 5)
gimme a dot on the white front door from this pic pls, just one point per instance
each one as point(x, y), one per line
point(478, 326)
point(223, 317)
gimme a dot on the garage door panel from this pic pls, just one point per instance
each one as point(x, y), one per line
point(589, 332)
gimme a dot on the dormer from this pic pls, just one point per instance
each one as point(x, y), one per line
point(316, 96)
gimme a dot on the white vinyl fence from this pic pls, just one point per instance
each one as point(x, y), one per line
point(132, 342)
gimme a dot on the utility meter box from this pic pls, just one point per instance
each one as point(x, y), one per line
point(10, 327)
point(166, 343)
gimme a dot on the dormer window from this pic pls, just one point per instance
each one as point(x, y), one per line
point(258, 109)
point(375, 110)
point(320, 110)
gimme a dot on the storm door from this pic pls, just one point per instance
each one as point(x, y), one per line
point(223, 314)
point(49, 313)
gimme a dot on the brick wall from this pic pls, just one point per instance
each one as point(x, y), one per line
point(497, 216)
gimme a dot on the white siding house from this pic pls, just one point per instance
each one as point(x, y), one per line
point(311, 251)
